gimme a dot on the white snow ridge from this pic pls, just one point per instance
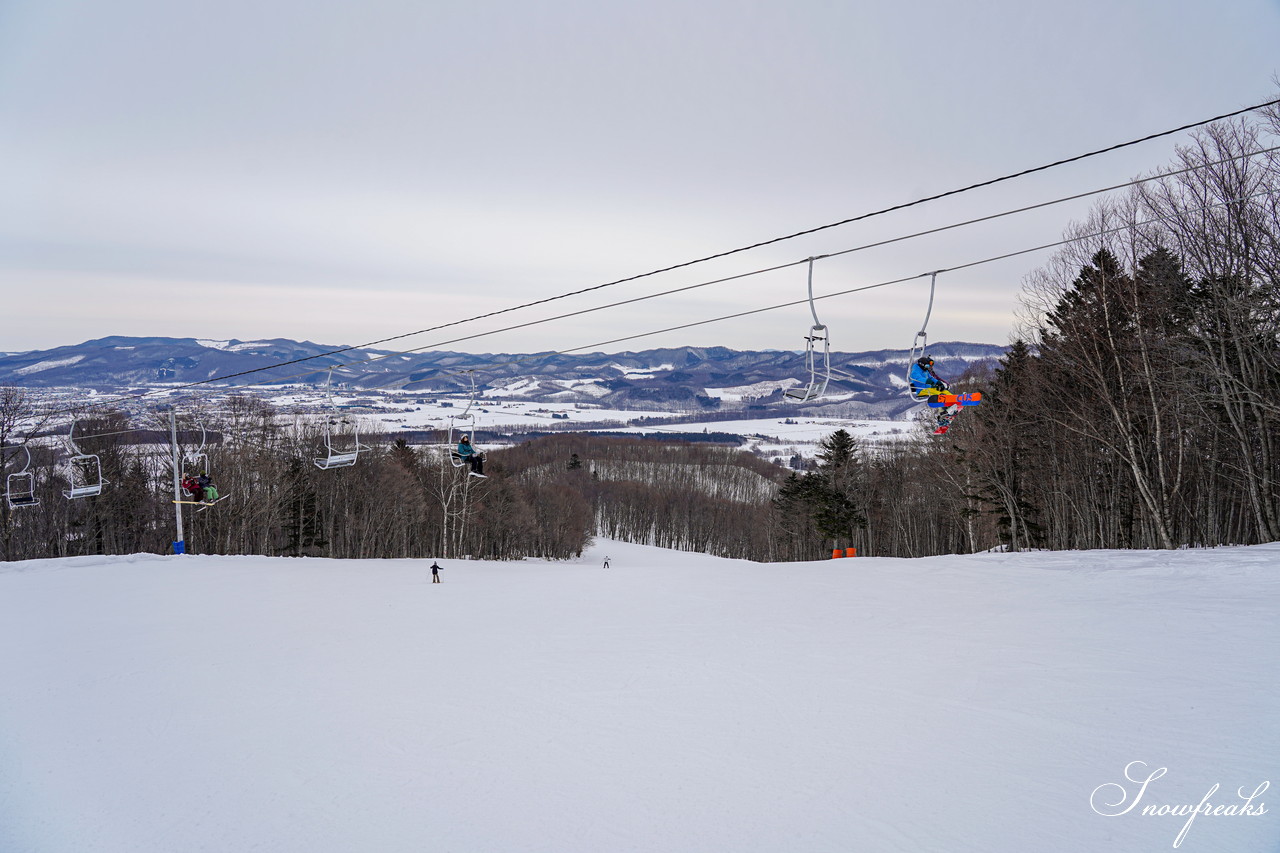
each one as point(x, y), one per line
point(675, 703)
point(49, 364)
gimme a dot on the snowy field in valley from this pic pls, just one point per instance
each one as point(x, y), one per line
point(780, 435)
point(781, 432)
point(672, 703)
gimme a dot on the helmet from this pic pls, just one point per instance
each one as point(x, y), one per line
point(924, 361)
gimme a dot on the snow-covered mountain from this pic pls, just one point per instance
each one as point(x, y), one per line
point(693, 377)
point(674, 702)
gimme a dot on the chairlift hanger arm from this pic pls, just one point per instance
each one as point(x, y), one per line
point(813, 308)
point(933, 286)
point(921, 341)
point(818, 379)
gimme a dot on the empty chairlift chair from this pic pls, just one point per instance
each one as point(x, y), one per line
point(20, 486)
point(819, 372)
point(84, 471)
point(338, 457)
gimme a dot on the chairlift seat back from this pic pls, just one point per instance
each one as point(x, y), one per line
point(85, 478)
point(198, 461)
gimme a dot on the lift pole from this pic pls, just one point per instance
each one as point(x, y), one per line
point(179, 544)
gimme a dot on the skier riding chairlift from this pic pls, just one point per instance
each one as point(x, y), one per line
point(200, 489)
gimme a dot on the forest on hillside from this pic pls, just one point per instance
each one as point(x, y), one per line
point(543, 498)
point(1139, 407)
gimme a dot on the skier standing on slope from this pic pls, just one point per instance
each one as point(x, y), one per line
point(435, 573)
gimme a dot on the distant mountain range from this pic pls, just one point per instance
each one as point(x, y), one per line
point(868, 384)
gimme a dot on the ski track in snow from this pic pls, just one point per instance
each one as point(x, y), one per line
point(674, 702)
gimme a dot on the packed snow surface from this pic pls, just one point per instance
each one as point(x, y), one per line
point(673, 702)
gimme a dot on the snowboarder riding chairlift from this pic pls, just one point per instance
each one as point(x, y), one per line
point(925, 384)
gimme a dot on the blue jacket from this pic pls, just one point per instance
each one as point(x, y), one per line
point(922, 378)
point(465, 450)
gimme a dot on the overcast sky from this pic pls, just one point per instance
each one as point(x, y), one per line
point(345, 172)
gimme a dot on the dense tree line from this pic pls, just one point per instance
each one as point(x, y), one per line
point(1150, 388)
point(543, 498)
point(397, 501)
point(683, 495)
point(1140, 407)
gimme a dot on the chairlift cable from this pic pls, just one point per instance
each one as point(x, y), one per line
point(436, 345)
point(793, 303)
point(853, 290)
point(787, 237)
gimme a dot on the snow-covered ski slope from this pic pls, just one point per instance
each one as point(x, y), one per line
point(674, 702)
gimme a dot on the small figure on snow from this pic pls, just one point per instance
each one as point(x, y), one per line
point(435, 573)
point(606, 562)
point(925, 384)
point(471, 456)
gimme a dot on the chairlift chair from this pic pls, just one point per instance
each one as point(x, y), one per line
point(921, 341)
point(84, 471)
point(819, 375)
point(450, 446)
point(20, 486)
point(335, 458)
point(339, 458)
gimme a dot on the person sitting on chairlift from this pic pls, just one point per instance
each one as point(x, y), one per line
point(207, 486)
point(925, 384)
point(471, 456)
point(192, 488)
